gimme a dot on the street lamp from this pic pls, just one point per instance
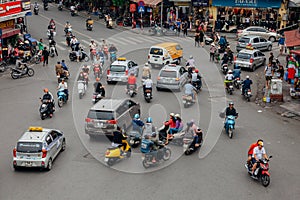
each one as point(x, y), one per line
point(161, 13)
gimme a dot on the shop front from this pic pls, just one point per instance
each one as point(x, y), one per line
point(244, 13)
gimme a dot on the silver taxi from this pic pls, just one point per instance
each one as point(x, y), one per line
point(38, 147)
point(250, 58)
point(119, 70)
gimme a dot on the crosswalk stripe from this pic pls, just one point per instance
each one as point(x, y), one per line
point(116, 41)
point(145, 39)
point(60, 47)
point(135, 39)
point(86, 42)
point(128, 41)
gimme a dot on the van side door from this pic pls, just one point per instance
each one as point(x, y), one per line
point(183, 76)
point(51, 148)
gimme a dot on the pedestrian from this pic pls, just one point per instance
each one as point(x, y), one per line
point(281, 43)
point(281, 72)
point(178, 27)
point(41, 46)
point(201, 38)
point(185, 28)
point(291, 73)
point(271, 58)
point(212, 51)
point(197, 35)
point(45, 54)
point(268, 74)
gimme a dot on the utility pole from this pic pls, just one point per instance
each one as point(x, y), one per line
point(161, 13)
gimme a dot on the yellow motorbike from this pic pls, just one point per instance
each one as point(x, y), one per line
point(114, 154)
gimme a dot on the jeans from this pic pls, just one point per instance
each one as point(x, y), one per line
point(173, 130)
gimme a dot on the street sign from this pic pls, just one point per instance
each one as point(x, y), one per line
point(141, 9)
point(141, 3)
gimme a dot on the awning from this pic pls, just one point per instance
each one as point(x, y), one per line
point(294, 3)
point(297, 52)
point(9, 32)
point(149, 2)
point(292, 38)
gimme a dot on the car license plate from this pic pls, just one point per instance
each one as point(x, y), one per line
point(28, 164)
point(99, 125)
point(105, 159)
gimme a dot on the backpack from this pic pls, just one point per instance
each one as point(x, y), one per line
point(146, 146)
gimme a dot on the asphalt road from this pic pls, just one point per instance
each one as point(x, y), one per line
point(219, 174)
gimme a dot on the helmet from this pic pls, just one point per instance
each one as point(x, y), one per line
point(46, 90)
point(26, 42)
point(67, 22)
point(146, 64)
point(153, 134)
point(149, 120)
point(172, 114)
point(247, 77)
point(230, 71)
point(136, 116)
point(196, 70)
point(260, 143)
point(97, 79)
point(213, 44)
point(191, 56)
point(231, 103)
point(132, 73)
point(259, 140)
point(177, 115)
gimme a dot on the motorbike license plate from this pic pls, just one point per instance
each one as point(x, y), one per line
point(155, 59)
point(148, 94)
point(249, 92)
point(131, 141)
point(116, 79)
point(105, 159)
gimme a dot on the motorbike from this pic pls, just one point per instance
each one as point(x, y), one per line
point(109, 24)
point(177, 138)
point(247, 94)
point(51, 33)
point(52, 51)
point(163, 153)
point(187, 149)
point(18, 73)
point(36, 10)
point(237, 82)
point(63, 76)
point(187, 100)
point(113, 56)
point(81, 85)
point(46, 6)
point(96, 97)
point(295, 92)
point(261, 172)
point(229, 87)
point(229, 126)
point(97, 70)
point(197, 84)
point(45, 110)
point(224, 68)
point(73, 13)
point(135, 138)
point(60, 7)
point(131, 91)
point(89, 26)
point(113, 154)
point(229, 28)
point(61, 97)
point(83, 57)
point(148, 95)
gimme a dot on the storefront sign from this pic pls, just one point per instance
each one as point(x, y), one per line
point(132, 7)
point(248, 3)
point(7, 24)
point(200, 2)
point(26, 5)
point(10, 8)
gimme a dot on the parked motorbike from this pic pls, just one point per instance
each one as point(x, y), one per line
point(148, 95)
point(96, 97)
point(187, 101)
point(247, 94)
point(229, 87)
point(131, 91)
point(163, 153)
point(81, 88)
point(229, 28)
point(45, 109)
point(83, 57)
point(261, 172)
point(135, 138)
point(61, 97)
point(18, 73)
point(229, 126)
point(224, 68)
point(113, 154)
point(113, 56)
point(237, 82)
point(36, 10)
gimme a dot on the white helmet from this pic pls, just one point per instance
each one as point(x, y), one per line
point(146, 64)
point(247, 77)
point(191, 57)
point(230, 71)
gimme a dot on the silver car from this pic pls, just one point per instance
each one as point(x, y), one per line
point(172, 77)
point(255, 42)
point(250, 59)
point(258, 31)
point(38, 147)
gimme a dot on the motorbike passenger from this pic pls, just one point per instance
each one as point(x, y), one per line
point(63, 64)
point(52, 43)
point(197, 139)
point(85, 69)
point(147, 85)
point(52, 22)
point(178, 128)
point(131, 81)
point(49, 100)
point(148, 127)
point(228, 78)
point(259, 152)
point(225, 59)
point(99, 88)
point(63, 85)
point(68, 27)
point(236, 72)
point(147, 147)
point(137, 123)
point(230, 110)
point(118, 136)
point(246, 84)
point(189, 90)
point(250, 150)
point(146, 71)
point(93, 49)
point(81, 76)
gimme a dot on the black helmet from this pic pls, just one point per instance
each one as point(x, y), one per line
point(153, 134)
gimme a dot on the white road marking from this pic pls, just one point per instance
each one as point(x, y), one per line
point(60, 47)
point(128, 41)
point(116, 41)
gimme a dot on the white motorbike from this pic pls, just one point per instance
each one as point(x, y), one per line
point(82, 87)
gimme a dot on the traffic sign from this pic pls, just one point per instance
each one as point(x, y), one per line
point(141, 3)
point(141, 9)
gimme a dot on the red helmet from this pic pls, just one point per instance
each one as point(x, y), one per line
point(196, 70)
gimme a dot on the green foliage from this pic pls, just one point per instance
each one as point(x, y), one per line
point(118, 2)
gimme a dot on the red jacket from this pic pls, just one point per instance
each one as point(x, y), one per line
point(131, 80)
point(171, 123)
point(252, 146)
point(291, 73)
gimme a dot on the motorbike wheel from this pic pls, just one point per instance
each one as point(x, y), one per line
point(248, 99)
point(14, 75)
point(37, 60)
point(230, 133)
point(146, 164)
point(230, 92)
point(188, 152)
point(60, 103)
point(185, 105)
point(30, 72)
point(110, 162)
point(167, 155)
point(128, 153)
point(42, 117)
point(86, 58)
point(80, 95)
point(237, 86)
point(147, 100)
point(265, 180)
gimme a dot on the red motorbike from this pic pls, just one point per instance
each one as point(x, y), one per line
point(261, 172)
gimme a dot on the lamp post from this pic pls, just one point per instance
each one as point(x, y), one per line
point(161, 13)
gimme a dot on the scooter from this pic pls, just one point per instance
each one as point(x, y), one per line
point(261, 172)
point(131, 91)
point(96, 97)
point(61, 97)
point(229, 29)
point(187, 101)
point(89, 27)
point(177, 138)
point(81, 85)
point(45, 110)
point(60, 7)
point(229, 126)
point(163, 153)
point(83, 57)
point(247, 94)
point(229, 87)
point(36, 10)
point(237, 82)
point(52, 51)
point(135, 138)
point(187, 148)
point(197, 84)
point(148, 95)
point(18, 73)
point(224, 68)
point(113, 154)
point(113, 56)
point(51, 33)
point(97, 70)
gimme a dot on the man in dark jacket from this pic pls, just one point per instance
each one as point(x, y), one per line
point(246, 85)
point(118, 137)
point(45, 54)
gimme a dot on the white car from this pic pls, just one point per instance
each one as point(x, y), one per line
point(258, 31)
point(38, 147)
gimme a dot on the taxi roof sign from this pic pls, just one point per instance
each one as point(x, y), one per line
point(35, 129)
point(122, 59)
point(249, 47)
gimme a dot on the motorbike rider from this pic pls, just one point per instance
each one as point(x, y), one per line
point(52, 43)
point(63, 85)
point(85, 69)
point(49, 100)
point(137, 123)
point(74, 43)
point(112, 48)
point(20, 65)
point(68, 26)
point(190, 65)
point(190, 90)
point(225, 59)
point(146, 71)
point(148, 127)
point(230, 110)
point(250, 151)
point(147, 85)
point(246, 84)
point(99, 88)
point(93, 46)
point(36, 6)
point(228, 78)
point(118, 136)
point(59, 68)
point(236, 72)
point(131, 81)
point(229, 54)
point(172, 121)
point(156, 146)
point(259, 152)
point(196, 78)
point(178, 128)
point(197, 139)
point(88, 21)
point(63, 64)
point(52, 23)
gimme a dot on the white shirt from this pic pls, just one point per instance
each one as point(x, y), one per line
point(259, 152)
point(93, 45)
point(148, 83)
point(63, 86)
point(194, 77)
point(191, 62)
point(74, 41)
point(229, 77)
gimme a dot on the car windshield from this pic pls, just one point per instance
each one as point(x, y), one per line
point(244, 40)
point(101, 115)
point(156, 51)
point(117, 68)
point(168, 74)
point(244, 56)
point(29, 147)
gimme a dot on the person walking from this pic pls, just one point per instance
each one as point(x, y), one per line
point(197, 35)
point(201, 38)
point(45, 54)
point(268, 74)
point(281, 43)
point(185, 28)
point(212, 51)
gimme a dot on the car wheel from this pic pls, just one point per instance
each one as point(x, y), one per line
point(63, 146)
point(49, 165)
point(270, 48)
point(252, 68)
point(272, 39)
point(158, 89)
point(109, 82)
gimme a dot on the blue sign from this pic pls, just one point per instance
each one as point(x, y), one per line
point(248, 3)
point(141, 9)
point(28, 14)
point(141, 3)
